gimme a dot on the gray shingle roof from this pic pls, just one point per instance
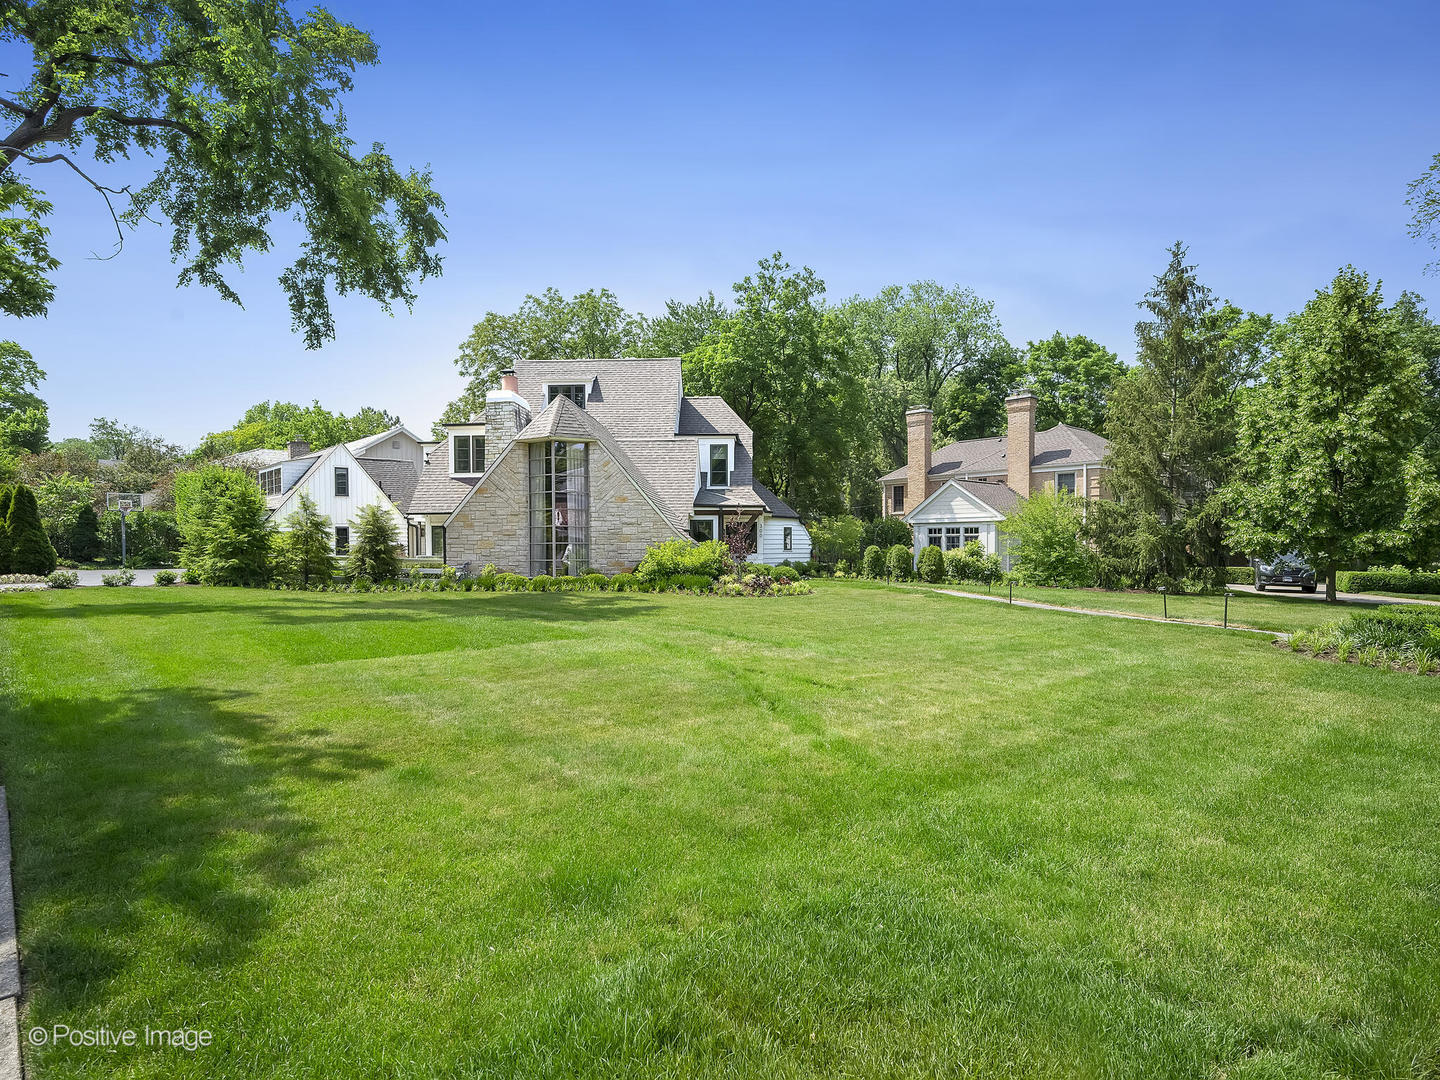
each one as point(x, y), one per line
point(709, 416)
point(633, 398)
point(773, 503)
point(1059, 445)
point(738, 496)
point(437, 492)
point(397, 479)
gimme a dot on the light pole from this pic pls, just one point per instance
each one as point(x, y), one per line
point(1165, 602)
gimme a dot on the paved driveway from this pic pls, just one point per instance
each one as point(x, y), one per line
point(1290, 591)
point(142, 577)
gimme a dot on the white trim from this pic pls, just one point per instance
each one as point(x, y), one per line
point(702, 455)
point(970, 497)
point(714, 520)
point(502, 397)
point(471, 435)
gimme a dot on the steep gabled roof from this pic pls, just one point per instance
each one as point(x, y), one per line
point(397, 479)
point(633, 398)
point(1057, 446)
point(437, 492)
point(1000, 498)
point(359, 446)
point(707, 415)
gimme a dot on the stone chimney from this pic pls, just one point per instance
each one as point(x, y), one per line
point(1019, 439)
point(918, 427)
point(506, 414)
point(298, 448)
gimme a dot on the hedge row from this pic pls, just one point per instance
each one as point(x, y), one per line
point(1395, 579)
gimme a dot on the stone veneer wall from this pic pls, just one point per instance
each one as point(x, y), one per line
point(493, 526)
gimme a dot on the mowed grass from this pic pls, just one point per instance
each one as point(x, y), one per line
point(870, 832)
point(1282, 612)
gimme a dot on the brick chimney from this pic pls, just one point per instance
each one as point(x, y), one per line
point(298, 448)
point(509, 381)
point(918, 426)
point(1019, 439)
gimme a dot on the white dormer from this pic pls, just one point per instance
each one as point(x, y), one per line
point(467, 448)
point(715, 464)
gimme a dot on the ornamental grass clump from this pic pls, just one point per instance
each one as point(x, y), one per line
point(1400, 638)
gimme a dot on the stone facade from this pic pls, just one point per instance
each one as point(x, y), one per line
point(494, 526)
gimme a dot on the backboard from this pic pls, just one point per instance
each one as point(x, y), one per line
point(124, 501)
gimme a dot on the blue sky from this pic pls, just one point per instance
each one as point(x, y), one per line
point(1041, 154)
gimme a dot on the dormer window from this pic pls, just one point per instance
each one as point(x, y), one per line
point(574, 391)
point(270, 481)
point(715, 465)
point(467, 455)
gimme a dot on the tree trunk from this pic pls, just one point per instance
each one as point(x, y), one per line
point(1330, 585)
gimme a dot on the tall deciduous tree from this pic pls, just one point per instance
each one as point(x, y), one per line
point(274, 424)
point(683, 326)
point(1334, 440)
point(785, 365)
point(1072, 377)
point(1172, 418)
point(927, 345)
point(241, 104)
point(24, 422)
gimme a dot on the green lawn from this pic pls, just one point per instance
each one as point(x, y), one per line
point(870, 832)
point(1285, 611)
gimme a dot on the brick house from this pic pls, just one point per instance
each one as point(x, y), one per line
point(582, 464)
point(963, 491)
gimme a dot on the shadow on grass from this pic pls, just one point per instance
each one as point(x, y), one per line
point(298, 608)
point(153, 822)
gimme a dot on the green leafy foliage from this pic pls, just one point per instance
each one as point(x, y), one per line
point(899, 561)
point(273, 425)
point(873, 564)
point(1339, 465)
point(62, 579)
point(374, 545)
point(165, 577)
point(1394, 579)
point(304, 552)
point(972, 563)
point(241, 106)
point(24, 421)
point(931, 566)
point(83, 535)
point(837, 538)
point(221, 516)
point(30, 550)
point(1049, 549)
point(1072, 377)
point(886, 532)
point(670, 558)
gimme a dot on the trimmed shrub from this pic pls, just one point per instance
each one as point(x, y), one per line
point(542, 583)
point(697, 583)
point(512, 583)
point(785, 573)
point(118, 578)
point(7, 493)
point(592, 583)
point(932, 564)
point(30, 550)
point(165, 577)
point(567, 582)
point(84, 533)
point(625, 583)
point(1391, 579)
point(873, 565)
point(63, 579)
point(665, 560)
point(485, 582)
point(898, 562)
point(1239, 575)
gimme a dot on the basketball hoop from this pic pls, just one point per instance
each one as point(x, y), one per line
point(127, 502)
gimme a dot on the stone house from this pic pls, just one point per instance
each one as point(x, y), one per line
point(963, 491)
point(580, 465)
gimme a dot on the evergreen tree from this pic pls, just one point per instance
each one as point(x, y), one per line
point(1334, 441)
point(225, 539)
point(84, 533)
point(30, 549)
point(1172, 419)
point(303, 550)
point(7, 492)
point(375, 547)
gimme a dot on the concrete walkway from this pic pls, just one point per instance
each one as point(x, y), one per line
point(1278, 635)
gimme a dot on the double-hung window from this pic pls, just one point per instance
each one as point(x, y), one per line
point(952, 537)
point(1065, 481)
point(437, 541)
point(972, 532)
point(342, 539)
point(897, 502)
point(469, 455)
point(715, 466)
point(932, 535)
point(342, 481)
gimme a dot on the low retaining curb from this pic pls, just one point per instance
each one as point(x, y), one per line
point(9, 960)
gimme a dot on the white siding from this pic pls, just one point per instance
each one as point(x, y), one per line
point(991, 539)
point(771, 541)
point(340, 509)
point(952, 504)
point(291, 470)
point(408, 450)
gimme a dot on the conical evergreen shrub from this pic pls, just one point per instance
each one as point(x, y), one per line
point(30, 549)
point(6, 491)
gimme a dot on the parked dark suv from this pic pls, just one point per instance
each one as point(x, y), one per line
point(1284, 570)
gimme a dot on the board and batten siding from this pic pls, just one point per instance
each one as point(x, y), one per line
point(771, 541)
point(407, 450)
point(340, 509)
